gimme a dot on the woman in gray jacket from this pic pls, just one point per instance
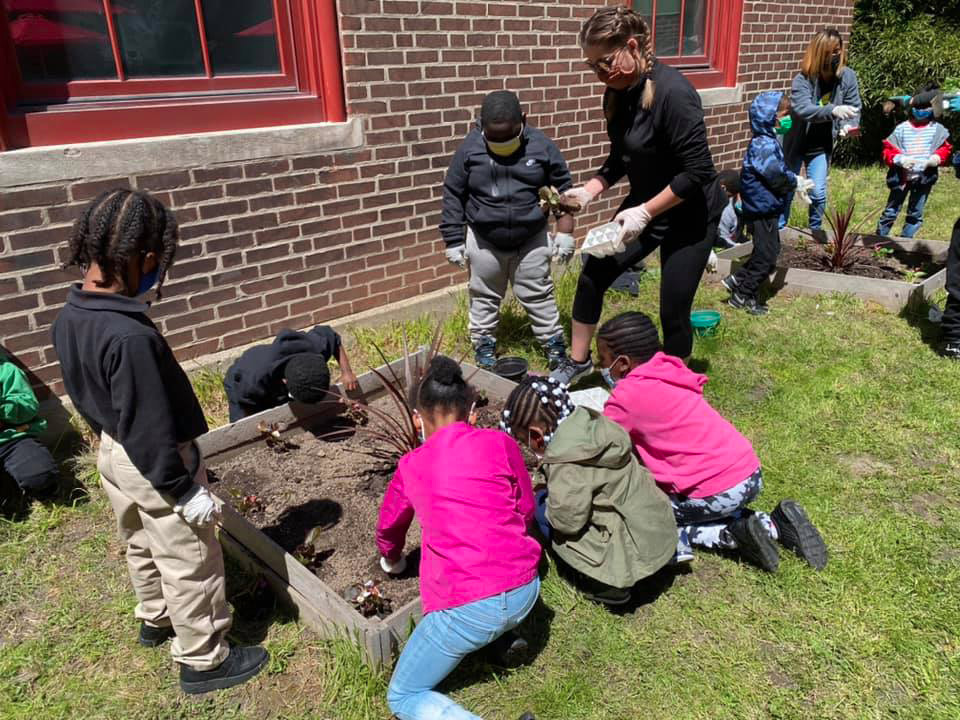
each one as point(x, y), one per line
point(825, 103)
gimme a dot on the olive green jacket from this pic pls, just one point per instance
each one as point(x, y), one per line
point(18, 404)
point(609, 519)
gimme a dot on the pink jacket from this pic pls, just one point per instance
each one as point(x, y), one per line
point(472, 495)
point(688, 446)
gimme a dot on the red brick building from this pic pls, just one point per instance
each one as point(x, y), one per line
point(302, 143)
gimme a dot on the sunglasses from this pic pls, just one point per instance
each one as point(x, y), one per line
point(604, 66)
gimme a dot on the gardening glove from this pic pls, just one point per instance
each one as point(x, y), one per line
point(933, 161)
point(712, 262)
point(579, 195)
point(804, 186)
point(844, 112)
point(393, 568)
point(900, 160)
point(634, 221)
point(953, 104)
point(457, 255)
point(563, 246)
point(197, 507)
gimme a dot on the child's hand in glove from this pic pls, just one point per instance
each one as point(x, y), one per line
point(457, 255)
point(563, 246)
point(933, 161)
point(844, 112)
point(393, 568)
point(804, 186)
point(712, 262)
point(197, 507)
point(634, 221)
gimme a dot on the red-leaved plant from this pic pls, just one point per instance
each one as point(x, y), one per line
point(844, 250)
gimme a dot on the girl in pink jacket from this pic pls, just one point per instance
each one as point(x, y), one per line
point(708, 469)
point(470, 490)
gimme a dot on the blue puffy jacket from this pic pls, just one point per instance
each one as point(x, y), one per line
point(765, 179)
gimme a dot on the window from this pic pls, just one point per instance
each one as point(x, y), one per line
point(84, 70)
point(701, 37)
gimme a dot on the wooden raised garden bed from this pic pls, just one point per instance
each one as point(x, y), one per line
point(892, 294)
point(318, 604)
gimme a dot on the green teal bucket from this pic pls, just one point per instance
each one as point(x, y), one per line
point(705, 322)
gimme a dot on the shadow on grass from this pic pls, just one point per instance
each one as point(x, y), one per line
point(930, 333)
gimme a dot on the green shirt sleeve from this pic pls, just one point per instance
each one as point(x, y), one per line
point(18, 403)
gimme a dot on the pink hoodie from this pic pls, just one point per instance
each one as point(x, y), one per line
point(472, 495)
point(687, 445)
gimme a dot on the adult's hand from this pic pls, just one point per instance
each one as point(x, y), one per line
point(844, 112)
point(578, 196)
point(457, 255)
point(197, 507)
point(634, 221)
point(563, 246)
point(804, 186)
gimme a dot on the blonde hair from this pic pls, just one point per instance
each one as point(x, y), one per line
point(817, 56)
point(612, 27)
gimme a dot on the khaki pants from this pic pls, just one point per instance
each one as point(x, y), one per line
point(177, 570)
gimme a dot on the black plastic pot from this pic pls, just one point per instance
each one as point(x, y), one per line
point(511, 368)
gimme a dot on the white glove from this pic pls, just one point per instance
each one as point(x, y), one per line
point(457, 255)
point(580, 195)
point(900, 160)
point(933, 161)
point(844, 112)
point(396, 568)
point(563, 246)
point(197, 507)
point(918, 164)
point(712, 262)
point(634, 221)
point(804, 186)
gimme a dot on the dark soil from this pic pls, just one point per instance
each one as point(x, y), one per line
point(811, 255)
point(333, 487)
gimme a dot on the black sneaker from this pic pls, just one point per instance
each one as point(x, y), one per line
point(797, 533)
point(569, 370)
point(607, 595)
point(509, 650)
point(528, 716)
point(152, 637)
point(556, 351)
point(750, 304)
point(754, 543)
point(485, 353)
point(952, 350)
point(241, 664)
point(730, 283)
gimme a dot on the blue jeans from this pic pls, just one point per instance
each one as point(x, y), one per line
point(914, 219)
point(540, 514)
point(817, 167)
point(441, 640)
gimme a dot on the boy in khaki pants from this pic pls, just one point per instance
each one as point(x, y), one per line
point(124, 380)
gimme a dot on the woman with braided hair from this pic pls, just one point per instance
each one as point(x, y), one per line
point(601, 511)
point(124, 380)
point(659, 142)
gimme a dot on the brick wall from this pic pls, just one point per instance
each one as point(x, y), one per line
point(294, 241)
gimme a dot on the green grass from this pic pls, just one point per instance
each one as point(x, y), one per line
point(852, 413)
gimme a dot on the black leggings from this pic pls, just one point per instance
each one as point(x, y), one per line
point(951, 314)
point(682, 262)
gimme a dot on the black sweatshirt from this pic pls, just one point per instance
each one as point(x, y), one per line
point(666, 145)
point(124, 380)
point(255, 380)
point(499, 197)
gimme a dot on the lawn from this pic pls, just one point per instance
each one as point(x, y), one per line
point(851, 411)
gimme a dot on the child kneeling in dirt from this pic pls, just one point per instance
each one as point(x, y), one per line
point(293, 366)
point(123, 379)
point(493, 224)
point(601, 511)
point(709, 470)
point(766, 184)
point(471, 493)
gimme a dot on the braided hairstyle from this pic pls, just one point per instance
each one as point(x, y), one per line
point(120, 225)
point(539, 401)
point(631, 334)
point(612, 27)
point(443, 387)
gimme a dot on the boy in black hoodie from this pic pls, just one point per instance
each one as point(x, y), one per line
point(293, 366)
point(493, 222)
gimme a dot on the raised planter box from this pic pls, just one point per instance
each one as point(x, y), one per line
point(894, 295)
point(316, 603)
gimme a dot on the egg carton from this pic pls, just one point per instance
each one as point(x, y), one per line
point(603, 240)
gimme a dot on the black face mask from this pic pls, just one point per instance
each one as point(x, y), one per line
point(834, 63)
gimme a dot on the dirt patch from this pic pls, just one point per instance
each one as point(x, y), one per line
point(926, 506)
point(773, 656)
point(325, 492)
point(866, 465)
point(761, 391)
point(811, 255)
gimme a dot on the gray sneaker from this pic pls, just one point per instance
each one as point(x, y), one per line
point(569, 370)
point(556, 351)
point(485, 353)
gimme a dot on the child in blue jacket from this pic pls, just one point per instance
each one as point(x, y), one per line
point(765, 185)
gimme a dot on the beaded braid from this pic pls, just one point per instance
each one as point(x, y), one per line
point(632, 334)
point(536, 399)
point(118, 225)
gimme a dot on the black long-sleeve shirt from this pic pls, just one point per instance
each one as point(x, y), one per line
point(666, 145)
point(124, 380)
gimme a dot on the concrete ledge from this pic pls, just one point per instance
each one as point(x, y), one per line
point(713, 97)
point(56, 163)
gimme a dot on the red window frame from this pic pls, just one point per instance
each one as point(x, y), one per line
point(717, 67)
point(308, 88)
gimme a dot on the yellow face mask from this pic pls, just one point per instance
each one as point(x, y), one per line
point(507, 148)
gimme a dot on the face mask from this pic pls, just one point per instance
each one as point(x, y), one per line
point(505, 149)
point(608, 378)
point(834, 63)
point(147, 281)
point(738, 206)
point(922, 114)
point(783, 127)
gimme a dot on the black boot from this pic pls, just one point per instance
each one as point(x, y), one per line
point(797, 533)
point(152, 637)
point(528, 716)
point(241, 664)
point(509, 650)
point(754, 543)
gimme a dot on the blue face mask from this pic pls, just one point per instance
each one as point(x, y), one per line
point(608, 378)
point(738, 206)
point(147, 281)
point(924, 114)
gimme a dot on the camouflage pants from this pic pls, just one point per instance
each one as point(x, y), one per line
point(704, 521)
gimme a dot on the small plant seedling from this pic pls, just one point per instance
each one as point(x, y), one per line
point(552, 202)
point(357, 414)
point(370, 600)
point(307, 553)
point(246, 504)
point(275, 442)
point(881, 252)
point(914, 275)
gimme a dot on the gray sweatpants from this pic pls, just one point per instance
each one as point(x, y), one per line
point(527, 269)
